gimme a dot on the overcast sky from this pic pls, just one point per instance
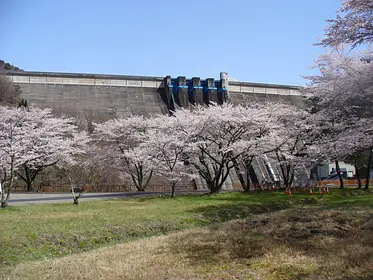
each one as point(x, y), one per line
point(269, 41)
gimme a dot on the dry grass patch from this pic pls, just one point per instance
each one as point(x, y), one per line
point(67, 215)
point(307, 243)
point(146, 259)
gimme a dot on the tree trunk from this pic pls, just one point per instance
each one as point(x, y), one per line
point(286, 174)
point(76, 200)
point(212, 187)
point(31, 173)
point(3, 203)
point(173, 190)
point(212, 182)
point(368, 171)
point(291, 178)
point(341, 185)
point(214, 190)
point(248, 181)
point(357, 173)
point(76, 197)
point(29, 186)
point(5, 195)
point(27, 178)
point(221, 177)
point(248, 169)
point(215, 178)
point(140, 180)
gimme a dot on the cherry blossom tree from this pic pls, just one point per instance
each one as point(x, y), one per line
point(218, 136)
point(345, 84)
point(119, 143)
point(344, 87)
point(243, 166)
point(168, 150)
point(278, 126)
point(347, 79)
point(326, 143)
point(66, 148)
point(353, 25)
point(344, 94)
point(211, 136)
point(32, 138)
point(356, 142)
point(296, 134)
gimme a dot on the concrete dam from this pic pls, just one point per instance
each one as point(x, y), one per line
point(97, 98)
point(108, 96)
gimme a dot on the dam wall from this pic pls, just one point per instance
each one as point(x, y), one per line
point(109, 96)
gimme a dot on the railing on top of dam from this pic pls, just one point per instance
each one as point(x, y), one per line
point(55, 78)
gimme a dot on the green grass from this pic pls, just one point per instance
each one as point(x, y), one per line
point(48, 231)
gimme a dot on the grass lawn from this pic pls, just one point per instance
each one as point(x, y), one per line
point(265, 235)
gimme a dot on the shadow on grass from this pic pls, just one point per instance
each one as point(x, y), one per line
point(248, 206)
point(350, 199)
point(316, 242)
point(67, 243)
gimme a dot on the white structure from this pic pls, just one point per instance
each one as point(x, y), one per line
point(325, 170)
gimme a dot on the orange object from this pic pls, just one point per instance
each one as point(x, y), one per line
point(288, 191)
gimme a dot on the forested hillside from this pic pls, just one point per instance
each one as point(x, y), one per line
point(7, 66)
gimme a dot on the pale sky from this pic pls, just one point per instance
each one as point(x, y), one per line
point(268, 41)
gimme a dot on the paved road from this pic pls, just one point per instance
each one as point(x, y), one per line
point(35, 198)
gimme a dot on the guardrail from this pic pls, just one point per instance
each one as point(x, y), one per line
point(54, 78)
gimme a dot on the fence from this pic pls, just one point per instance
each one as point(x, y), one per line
point(346, 182)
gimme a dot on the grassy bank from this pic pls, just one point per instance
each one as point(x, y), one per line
point(261, 236)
